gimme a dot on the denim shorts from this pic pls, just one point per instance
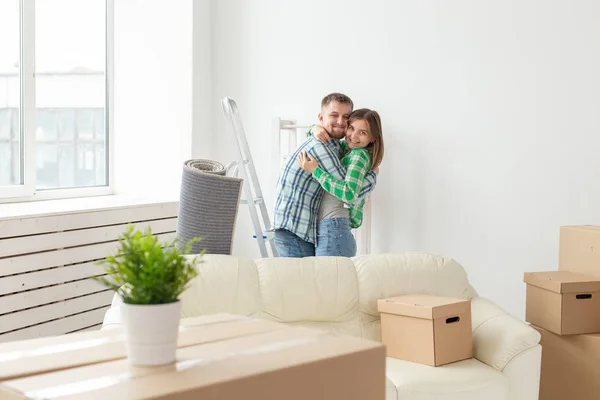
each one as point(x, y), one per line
point(334, 238)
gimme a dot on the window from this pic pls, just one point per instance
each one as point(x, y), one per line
point(55, 98)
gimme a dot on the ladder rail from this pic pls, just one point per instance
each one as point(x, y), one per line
point(240, 134)
point(245, 166)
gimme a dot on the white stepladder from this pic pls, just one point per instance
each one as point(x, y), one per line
point(245, 166)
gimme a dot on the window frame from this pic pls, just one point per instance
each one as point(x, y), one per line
point(27, 190)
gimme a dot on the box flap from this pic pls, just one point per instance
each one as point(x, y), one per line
point(423, 306)
point(563, 281)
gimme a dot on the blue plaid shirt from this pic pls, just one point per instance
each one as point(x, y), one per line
point(299, 195)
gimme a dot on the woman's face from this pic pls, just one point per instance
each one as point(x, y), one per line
point(358, 135)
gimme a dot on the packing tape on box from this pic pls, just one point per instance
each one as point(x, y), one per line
point(103, 382)
point(91, 343)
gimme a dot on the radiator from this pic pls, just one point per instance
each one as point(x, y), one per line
point(46, 263)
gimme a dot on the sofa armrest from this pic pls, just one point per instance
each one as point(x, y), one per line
point(112, 317)
point(498, 337)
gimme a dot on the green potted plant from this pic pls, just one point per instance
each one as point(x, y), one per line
point(149, 276)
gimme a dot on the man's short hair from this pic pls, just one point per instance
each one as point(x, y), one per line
point(337, 97)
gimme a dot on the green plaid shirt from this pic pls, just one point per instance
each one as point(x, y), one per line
point(357, 163)
point(299, 195)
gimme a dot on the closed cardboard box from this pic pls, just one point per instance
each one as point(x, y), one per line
point(563, 302)
point(426, 329)
point(28, 357)
point(580, 249)
point(291, 364)
point(570, 366)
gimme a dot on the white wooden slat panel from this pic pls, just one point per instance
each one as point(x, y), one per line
point(46, 261)
point(51, 241)
point(34, 298)
point(79, 220)
point(48, 277)
point(33, 316)
point(34, 262)
point(58, 327)
point(96, 327)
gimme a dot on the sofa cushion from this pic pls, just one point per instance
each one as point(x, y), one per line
point(224, 284)
point(300, 289)
point(388, 275)
point(463, 380)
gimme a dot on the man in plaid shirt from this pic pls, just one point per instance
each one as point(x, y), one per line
point(299, 196)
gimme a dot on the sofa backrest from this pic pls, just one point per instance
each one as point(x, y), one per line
point(387, 275)
point(334, 293)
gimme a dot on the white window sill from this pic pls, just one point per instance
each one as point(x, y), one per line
point(65, 206)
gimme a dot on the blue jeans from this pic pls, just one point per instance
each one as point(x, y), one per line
point(334, 238)
point(290, 245)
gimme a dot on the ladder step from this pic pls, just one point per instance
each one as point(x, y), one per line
point(266, 236)
point(256, 201)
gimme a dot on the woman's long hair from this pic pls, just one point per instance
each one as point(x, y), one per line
point(374, 122)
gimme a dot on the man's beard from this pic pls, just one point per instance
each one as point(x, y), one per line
point(339, 134)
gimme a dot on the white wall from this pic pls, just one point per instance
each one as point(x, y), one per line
point(153, 95)
point(490, 113)
point(203, 108)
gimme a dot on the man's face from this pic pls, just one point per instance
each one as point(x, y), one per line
point(334, 118)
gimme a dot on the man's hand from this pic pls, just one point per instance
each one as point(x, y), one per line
point(307, 163)
point(320, 134)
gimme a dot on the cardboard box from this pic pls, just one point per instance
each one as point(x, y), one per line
point(291, 364)
point(579, 249)
point(570, 366)
point(426, 329)
point(29, 357)
point(563, 302)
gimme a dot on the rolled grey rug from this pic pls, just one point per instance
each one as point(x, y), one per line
point(208, 206)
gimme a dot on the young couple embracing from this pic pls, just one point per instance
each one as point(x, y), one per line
point(323, 186)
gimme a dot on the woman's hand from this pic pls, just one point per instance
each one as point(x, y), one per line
point(307, 163)
point(320, 134)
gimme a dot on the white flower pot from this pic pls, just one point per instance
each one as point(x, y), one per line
point(151, 332)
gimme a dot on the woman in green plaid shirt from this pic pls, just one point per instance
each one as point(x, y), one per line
point(363, 152)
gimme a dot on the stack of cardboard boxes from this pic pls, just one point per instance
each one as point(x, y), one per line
point(564, 306)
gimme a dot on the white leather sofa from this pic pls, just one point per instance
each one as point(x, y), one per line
point(340, 295)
